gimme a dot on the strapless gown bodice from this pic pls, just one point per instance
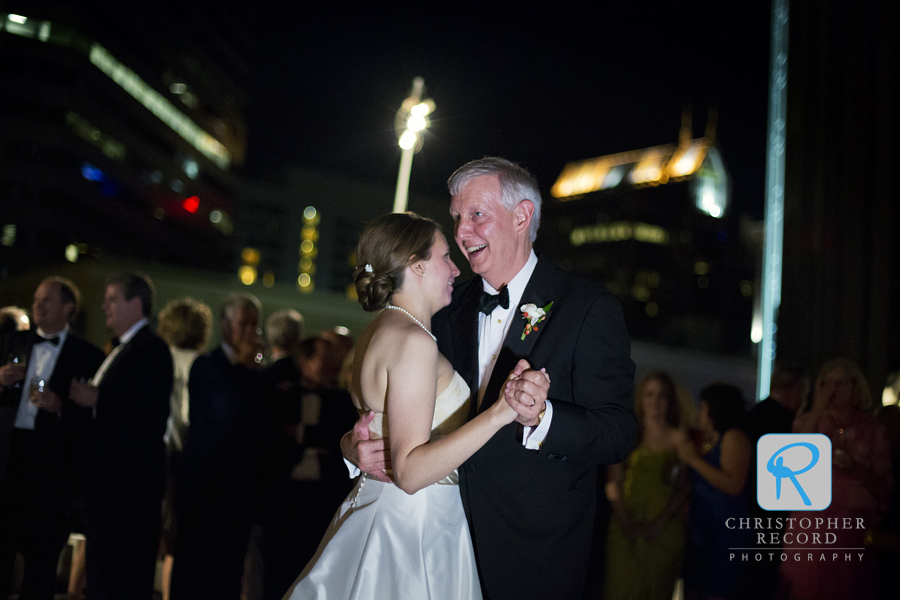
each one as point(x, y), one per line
point(385, 543)
point(451, 410)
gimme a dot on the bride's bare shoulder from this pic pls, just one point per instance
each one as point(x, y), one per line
point(388, 340)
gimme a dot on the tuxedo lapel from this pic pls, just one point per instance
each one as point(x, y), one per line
point(463, 320)
point(515, 345)
point(65, 357)
point(127, 349)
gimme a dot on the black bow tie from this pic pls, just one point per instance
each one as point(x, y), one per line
point(38, 339)
point(488, 302)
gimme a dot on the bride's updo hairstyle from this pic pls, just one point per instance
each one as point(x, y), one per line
point(386, 247)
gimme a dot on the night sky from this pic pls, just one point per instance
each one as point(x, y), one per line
point(544, 87)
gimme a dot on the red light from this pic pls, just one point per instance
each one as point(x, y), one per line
point(191, 204)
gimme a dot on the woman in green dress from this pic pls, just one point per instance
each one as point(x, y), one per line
point(648, 494)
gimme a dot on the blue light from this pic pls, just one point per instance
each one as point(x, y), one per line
point(92, 173)
point(774, 217)
point(722, 235)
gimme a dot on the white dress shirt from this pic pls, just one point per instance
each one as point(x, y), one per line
point(492, 330)
point(40, 367)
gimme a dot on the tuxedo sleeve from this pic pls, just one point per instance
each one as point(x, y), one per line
point(597, 424)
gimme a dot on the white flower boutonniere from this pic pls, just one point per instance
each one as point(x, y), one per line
point(533, 315)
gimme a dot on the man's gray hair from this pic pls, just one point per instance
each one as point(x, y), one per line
point(284, 329)
point(238, 300)
point(516, 184)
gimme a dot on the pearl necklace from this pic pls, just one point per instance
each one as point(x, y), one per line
point(410, 315)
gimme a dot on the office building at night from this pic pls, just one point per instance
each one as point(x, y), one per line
point(654, 225)
point(120, 131)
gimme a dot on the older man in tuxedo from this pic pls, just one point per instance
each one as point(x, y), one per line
point(37, 434)
point(129, 402)
point(530, 492)
point(219, 487)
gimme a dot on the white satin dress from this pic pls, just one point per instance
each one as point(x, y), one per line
point(386, 544)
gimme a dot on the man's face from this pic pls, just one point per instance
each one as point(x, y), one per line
point(485, 231)
point(50, 314)
point(121, 314)
point(240, 326)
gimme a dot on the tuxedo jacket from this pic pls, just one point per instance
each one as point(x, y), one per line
point(55, 434)
point(226, 439)
point(126, 455)
point(531, 512)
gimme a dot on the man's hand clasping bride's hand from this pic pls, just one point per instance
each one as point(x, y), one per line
point(526, 392)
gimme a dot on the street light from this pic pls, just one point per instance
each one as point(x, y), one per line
point(410, 123)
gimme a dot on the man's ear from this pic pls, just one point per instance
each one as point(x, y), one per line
point(70, 311)
point(523, 213)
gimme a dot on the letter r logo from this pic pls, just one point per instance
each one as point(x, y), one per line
point(793, 471)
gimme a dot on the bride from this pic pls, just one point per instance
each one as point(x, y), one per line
point(407, 539)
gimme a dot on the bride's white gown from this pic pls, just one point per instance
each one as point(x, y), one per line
point(385, 544)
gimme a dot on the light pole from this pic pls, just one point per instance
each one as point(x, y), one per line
point(410, 123)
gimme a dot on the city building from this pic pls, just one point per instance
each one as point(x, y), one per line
point(121, 128)
point(654, 225)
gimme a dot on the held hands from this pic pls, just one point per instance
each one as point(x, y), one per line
point(371, 456)
point(11, 374)
point(526, 392)
point(83, 394)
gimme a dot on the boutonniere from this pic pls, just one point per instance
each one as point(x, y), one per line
point(533, 315)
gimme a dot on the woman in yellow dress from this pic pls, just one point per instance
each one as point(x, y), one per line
point(648, 494)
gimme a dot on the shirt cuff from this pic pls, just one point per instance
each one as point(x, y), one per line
point(352, 469)
point(534, 436)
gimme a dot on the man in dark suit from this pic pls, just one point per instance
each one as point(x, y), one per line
point(223, 464)
point(37, 434)
point(530, 492)
point(129, 402)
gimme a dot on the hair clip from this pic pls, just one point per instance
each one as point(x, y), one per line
point(369, 268)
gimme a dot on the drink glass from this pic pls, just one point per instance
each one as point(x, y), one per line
point(37, 387)
point(18, 358)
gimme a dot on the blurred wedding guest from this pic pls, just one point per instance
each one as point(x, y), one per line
point(719, 491)
point(220, 479)
point(341, 343)
point(13, 318)
point(37, 437)
point(186, 326)
point(326, 413)
point(861, 484)
point(129, 401)
point(284, 332)
point(281, 522)
point(648, 494)
point(788, 390)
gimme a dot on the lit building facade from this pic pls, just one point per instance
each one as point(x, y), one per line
point(303, 227)
point(654, 226)
point(120, 131)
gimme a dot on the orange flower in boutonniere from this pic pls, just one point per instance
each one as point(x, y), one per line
point(533, 315)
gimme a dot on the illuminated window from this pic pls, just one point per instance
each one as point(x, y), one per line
point(156, 103)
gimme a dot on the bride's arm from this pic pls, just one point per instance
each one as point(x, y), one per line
point(410, 408)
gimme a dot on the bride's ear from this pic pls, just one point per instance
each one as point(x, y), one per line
point(418, 268)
